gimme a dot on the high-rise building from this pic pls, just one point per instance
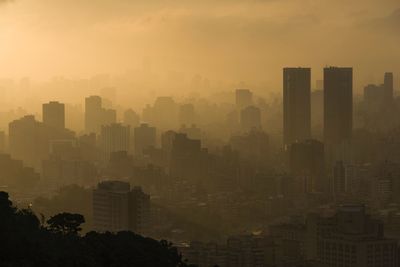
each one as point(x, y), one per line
point(187, 114)
point(29, 140)
point(317, 114)
point(145, 137)
point(165, 113)
point(338, 105)
point(252, 145)
point(192, 132)
point(186, 159)
point(339, 179)
point(250, 117)
point(131, 118)
point(109, 116)
point(167, 140)
point(93, 110)
point(374, 96)
point(14, 173)
point(109, 94)
point(244, 98)
point(114, 137)
point(388, 85)
point(54, 114)
point(355, 240)
point(96, 115)
point(110, 206)
point(139, 210)
point(2, 141)
point(296, 105)
point(118, 208)
point(307, 160)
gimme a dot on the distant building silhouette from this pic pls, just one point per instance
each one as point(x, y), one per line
point(379, 97)
point(13, 174)
point(145, 137)
point(374, 96)
point(250, 117)
point(131, 118)
point(253, 145)
point(355, 239)
point(306, 160)
point(339, 179)
point(185, 157)
point(244, 98)
point(164, 113)
point(186, 114)
point(109, 95)
point(109, 116)
point(30, 140)
point(317, 113)
point(338, 105)
point(192, 132)
point(54, 114)
point(388, 85)
point(93, 112)
point(96, 115)
point(296, 104)
point(2, 141)
point(167, 140)
point(114, 137)
point(118, 208)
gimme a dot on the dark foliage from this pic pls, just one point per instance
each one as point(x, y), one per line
point(25, 242)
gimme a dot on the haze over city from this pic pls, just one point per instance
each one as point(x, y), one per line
point(232, 41)
point(183, 133)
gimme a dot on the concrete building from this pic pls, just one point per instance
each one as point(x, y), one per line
point(296, 105)
point(250, 118)
point(338, 105)
point(114, 137)
point(118, 208)
point(389, 87)
point(93, 108)
point(29, 140)
point(306, 159)
point(96, 115)
point(54, 114)
point(244, 98)
point(145, 137)
point(358, 241)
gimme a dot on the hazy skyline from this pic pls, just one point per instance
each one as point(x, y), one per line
point(223, 40)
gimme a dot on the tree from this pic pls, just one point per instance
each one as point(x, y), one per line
point(66, 223)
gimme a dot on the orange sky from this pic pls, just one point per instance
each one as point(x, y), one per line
point(233, 40)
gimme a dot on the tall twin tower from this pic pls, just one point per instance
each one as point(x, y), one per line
point(338, 105)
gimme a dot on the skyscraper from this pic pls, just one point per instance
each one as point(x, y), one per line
point(131, 118)
point(187, 114)
point(113, 138)
point(54, 114)
point(118, 208)
point(250, 117)
point(296, 105)
point(306, 159)
point(388, 85)
point(96, 115)
point(29, 140)
point(338, 105)
point(244, 98)
point(145, 137)
point(93, 112)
